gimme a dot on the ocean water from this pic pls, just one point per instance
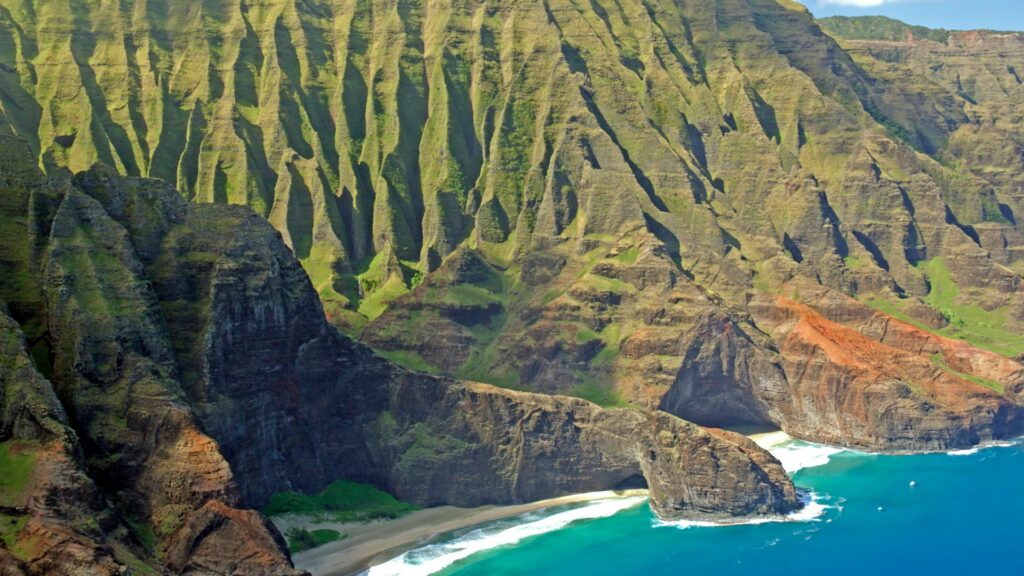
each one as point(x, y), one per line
point(964, 514)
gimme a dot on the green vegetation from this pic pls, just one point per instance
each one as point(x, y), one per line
point(142, 531)
point(409, 359)
point(136, 565)
point(940, 361)
point(427, 447)
point(485, 365)
point(893, 309)
point(300, 539)
point(854, 263)
point(10, 527)
point(466, 295)
point(335, 291)
point(879, 28)
point(342, 501)
point(968, 322)
point(629, 256)
point(601, 394)
point(16, 463)
point(375, 304)
point(585, 335)
point(596, 282)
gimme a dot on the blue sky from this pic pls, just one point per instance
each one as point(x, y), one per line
point(952, 14)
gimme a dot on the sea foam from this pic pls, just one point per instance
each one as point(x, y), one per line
point(436, 557)
point(986, 445)
point(812, 510)
point(795, 454)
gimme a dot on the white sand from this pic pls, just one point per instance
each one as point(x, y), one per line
point(374, 542)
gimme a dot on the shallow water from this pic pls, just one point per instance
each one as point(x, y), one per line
point(962, 516)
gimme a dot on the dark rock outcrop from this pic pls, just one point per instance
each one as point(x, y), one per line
point(275, 383)
point(106, 353)
point(723, 366)
point(63, 516)
point(472, 444)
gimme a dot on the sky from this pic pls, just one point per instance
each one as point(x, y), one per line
point(951, 14)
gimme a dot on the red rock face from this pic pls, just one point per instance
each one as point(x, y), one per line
point(861, 378)
point(831, 369)
point(58, 501)
point(220, 539)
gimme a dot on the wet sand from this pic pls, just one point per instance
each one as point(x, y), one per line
point(370, 543)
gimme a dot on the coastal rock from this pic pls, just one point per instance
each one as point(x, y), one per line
point(842, 373)
point(852, 390)
point(218, 539)
point(730, 376)
point(474, 444)
point(274, 383)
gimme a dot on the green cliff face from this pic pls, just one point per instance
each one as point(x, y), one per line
point(715, 208)
point(126, 473)
point(165, 367)
point(552, 194)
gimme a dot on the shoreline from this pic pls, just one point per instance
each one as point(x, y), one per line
point(376, 541)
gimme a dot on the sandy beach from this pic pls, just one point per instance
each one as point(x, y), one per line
point(370, 543)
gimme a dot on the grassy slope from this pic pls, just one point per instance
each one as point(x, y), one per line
point(342, 501)
point(17, 465)
point(969, 322)
point(990, 384)
point(300, 539)
point(17, 460)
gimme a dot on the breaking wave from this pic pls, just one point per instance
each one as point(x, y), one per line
point(976, 449)
point(793, 454)
point(436, 557)
point(812, 510)
point(796, 454)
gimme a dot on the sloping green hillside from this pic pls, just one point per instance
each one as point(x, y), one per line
point(879, 28)
point(599, 158)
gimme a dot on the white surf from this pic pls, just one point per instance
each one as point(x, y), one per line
point(436, 557)
point(795, 454)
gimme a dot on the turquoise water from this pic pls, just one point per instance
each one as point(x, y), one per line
point(963, 516)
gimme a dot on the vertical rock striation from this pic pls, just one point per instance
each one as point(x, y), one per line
point(191, 372)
